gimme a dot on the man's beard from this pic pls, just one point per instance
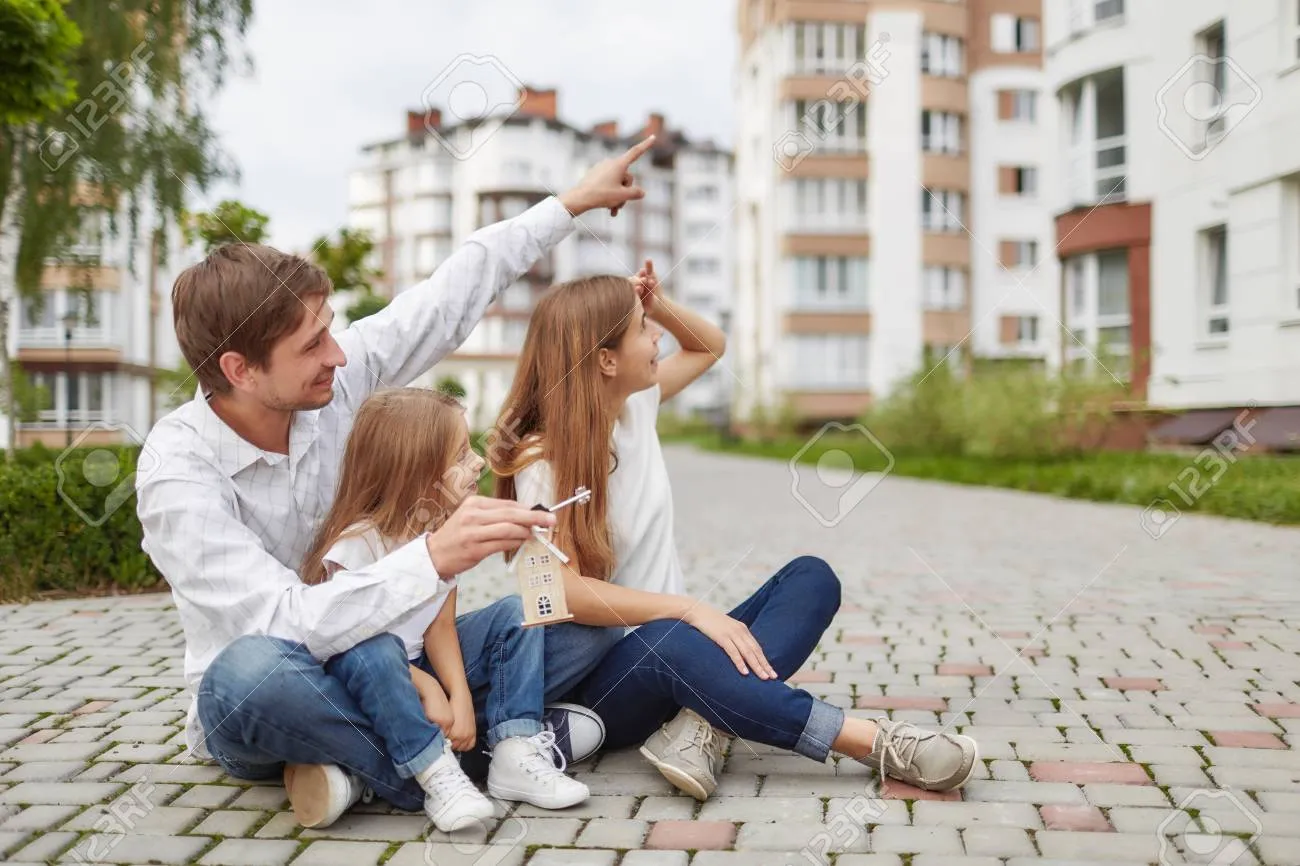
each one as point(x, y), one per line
point(280, 404)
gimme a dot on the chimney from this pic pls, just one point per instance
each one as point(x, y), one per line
point(420, 122)
point(538, 103)
point(608, 128)
point(654, 126)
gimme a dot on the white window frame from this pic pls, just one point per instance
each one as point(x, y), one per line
point(830, 283)
point(1291, 32)
point(1213, 43)
point(1015, 34)
point(1026, 181)
point(942, 55)
point(1020, 98)
point(1216, 320)
point(828, 362)
point(545, 607)
point(1026, 330)
point(943, 210)
point(941, 132)
point(1104, 11)
point(944, 287)
point(1291, 248)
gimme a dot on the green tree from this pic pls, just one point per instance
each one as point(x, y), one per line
point(452, 387)
point(344, 260)
point(229, 222)
point(138, 140)
point(366, 304)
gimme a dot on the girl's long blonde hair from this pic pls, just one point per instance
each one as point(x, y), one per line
point(557, 402)
point(397, 471)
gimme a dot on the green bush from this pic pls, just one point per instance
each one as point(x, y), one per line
point(68, 525)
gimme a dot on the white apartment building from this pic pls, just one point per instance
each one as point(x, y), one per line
point(419, 202)
point(1186, 113)
point(891, 207)
point(102, 323)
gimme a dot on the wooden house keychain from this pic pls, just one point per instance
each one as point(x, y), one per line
point(539, 564)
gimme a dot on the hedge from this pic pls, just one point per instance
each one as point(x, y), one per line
point(68, 524)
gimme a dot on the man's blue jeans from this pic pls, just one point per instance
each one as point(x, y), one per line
point(666, 664)
point(265, 702)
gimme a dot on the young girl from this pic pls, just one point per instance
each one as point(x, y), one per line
point(584, 403)
point(407, 465)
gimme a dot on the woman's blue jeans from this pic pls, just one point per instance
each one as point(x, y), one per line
point(666, 664)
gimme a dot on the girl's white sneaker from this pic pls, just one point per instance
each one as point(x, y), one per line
point(524, 769)
point(450, 798)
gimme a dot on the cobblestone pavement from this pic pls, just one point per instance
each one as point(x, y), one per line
point(1134, 698)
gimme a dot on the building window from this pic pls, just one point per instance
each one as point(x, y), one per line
point(828, 204)
point(707, 192)
point(940, 132)
point(829, 282)
point(698, 230)
point(945, 288)
point(1078, 288)
point(833, 362)
point(942, 210)
point(1214, 278)
point(942, 55)
point(1112, 284)
point(544, 606)
point(821, 48)
point(701, 267)
point(1019, 254)
point(1026, 330)
point(1213, 43)
point(1293, 248)
point(1293, 29)
point(1011, 34)
point(832, 127)
point(1019, 105)
point(1105, 10)
point(1018, 180)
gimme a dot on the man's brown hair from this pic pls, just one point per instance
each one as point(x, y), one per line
point(242, 298)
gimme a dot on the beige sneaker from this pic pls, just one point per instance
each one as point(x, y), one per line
point(929, 760)
point(688, 752)
point(320, 793)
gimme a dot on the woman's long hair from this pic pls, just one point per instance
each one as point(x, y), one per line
point(557, 402)
point(397, 475)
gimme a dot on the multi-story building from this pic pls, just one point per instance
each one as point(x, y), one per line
point(419, 201)
point(890, 207)
point(1178, 196)
point(100, 326)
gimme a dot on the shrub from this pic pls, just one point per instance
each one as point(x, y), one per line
point(59, 529)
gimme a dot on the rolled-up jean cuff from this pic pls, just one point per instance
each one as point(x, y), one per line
point(424, 759)
point(824, 723)
point(513, 728)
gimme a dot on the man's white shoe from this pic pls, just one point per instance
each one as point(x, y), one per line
point(320, 793)
point(579, 732)
point(523, 768)
point(450, 798)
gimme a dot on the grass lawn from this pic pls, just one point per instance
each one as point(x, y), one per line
point(1253, 487)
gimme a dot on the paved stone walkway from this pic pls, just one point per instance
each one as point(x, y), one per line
point(1134, 698)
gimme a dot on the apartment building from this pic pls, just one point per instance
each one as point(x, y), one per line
point(101, 324)
point(421, 194)
point(891, 212)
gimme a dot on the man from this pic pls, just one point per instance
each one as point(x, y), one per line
point(246, 470)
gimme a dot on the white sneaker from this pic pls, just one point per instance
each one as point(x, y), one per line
point(450, 798)
point(320, 793)
point(523, 768)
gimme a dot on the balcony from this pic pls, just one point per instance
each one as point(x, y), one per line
point(1096, 161)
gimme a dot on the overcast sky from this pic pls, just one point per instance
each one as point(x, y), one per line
point(332, 75)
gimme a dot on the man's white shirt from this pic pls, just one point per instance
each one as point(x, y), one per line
point(227, 524)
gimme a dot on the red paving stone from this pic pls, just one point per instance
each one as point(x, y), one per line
point(687, 835)
point(1247, 740)
point(1083, 773)
point(1230, 644)
point(900, 702)
point(810, 677)
point(1211, 629)
point(1087, 819)
point(92, 707)
point(892, 789)
point(42, 736)
point(1278, 711)
point(1033, 651)
point(960, 670)
point(1133, 684)
point(863, 639)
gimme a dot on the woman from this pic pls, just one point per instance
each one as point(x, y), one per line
point(583, 407)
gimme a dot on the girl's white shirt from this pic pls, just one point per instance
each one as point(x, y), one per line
point(640, 500)
point(359, 548)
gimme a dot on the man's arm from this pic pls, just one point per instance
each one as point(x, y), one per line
point(427, 322)
point(219, 568)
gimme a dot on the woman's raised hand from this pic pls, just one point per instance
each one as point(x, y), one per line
point(647, 286)
point(734, 637)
